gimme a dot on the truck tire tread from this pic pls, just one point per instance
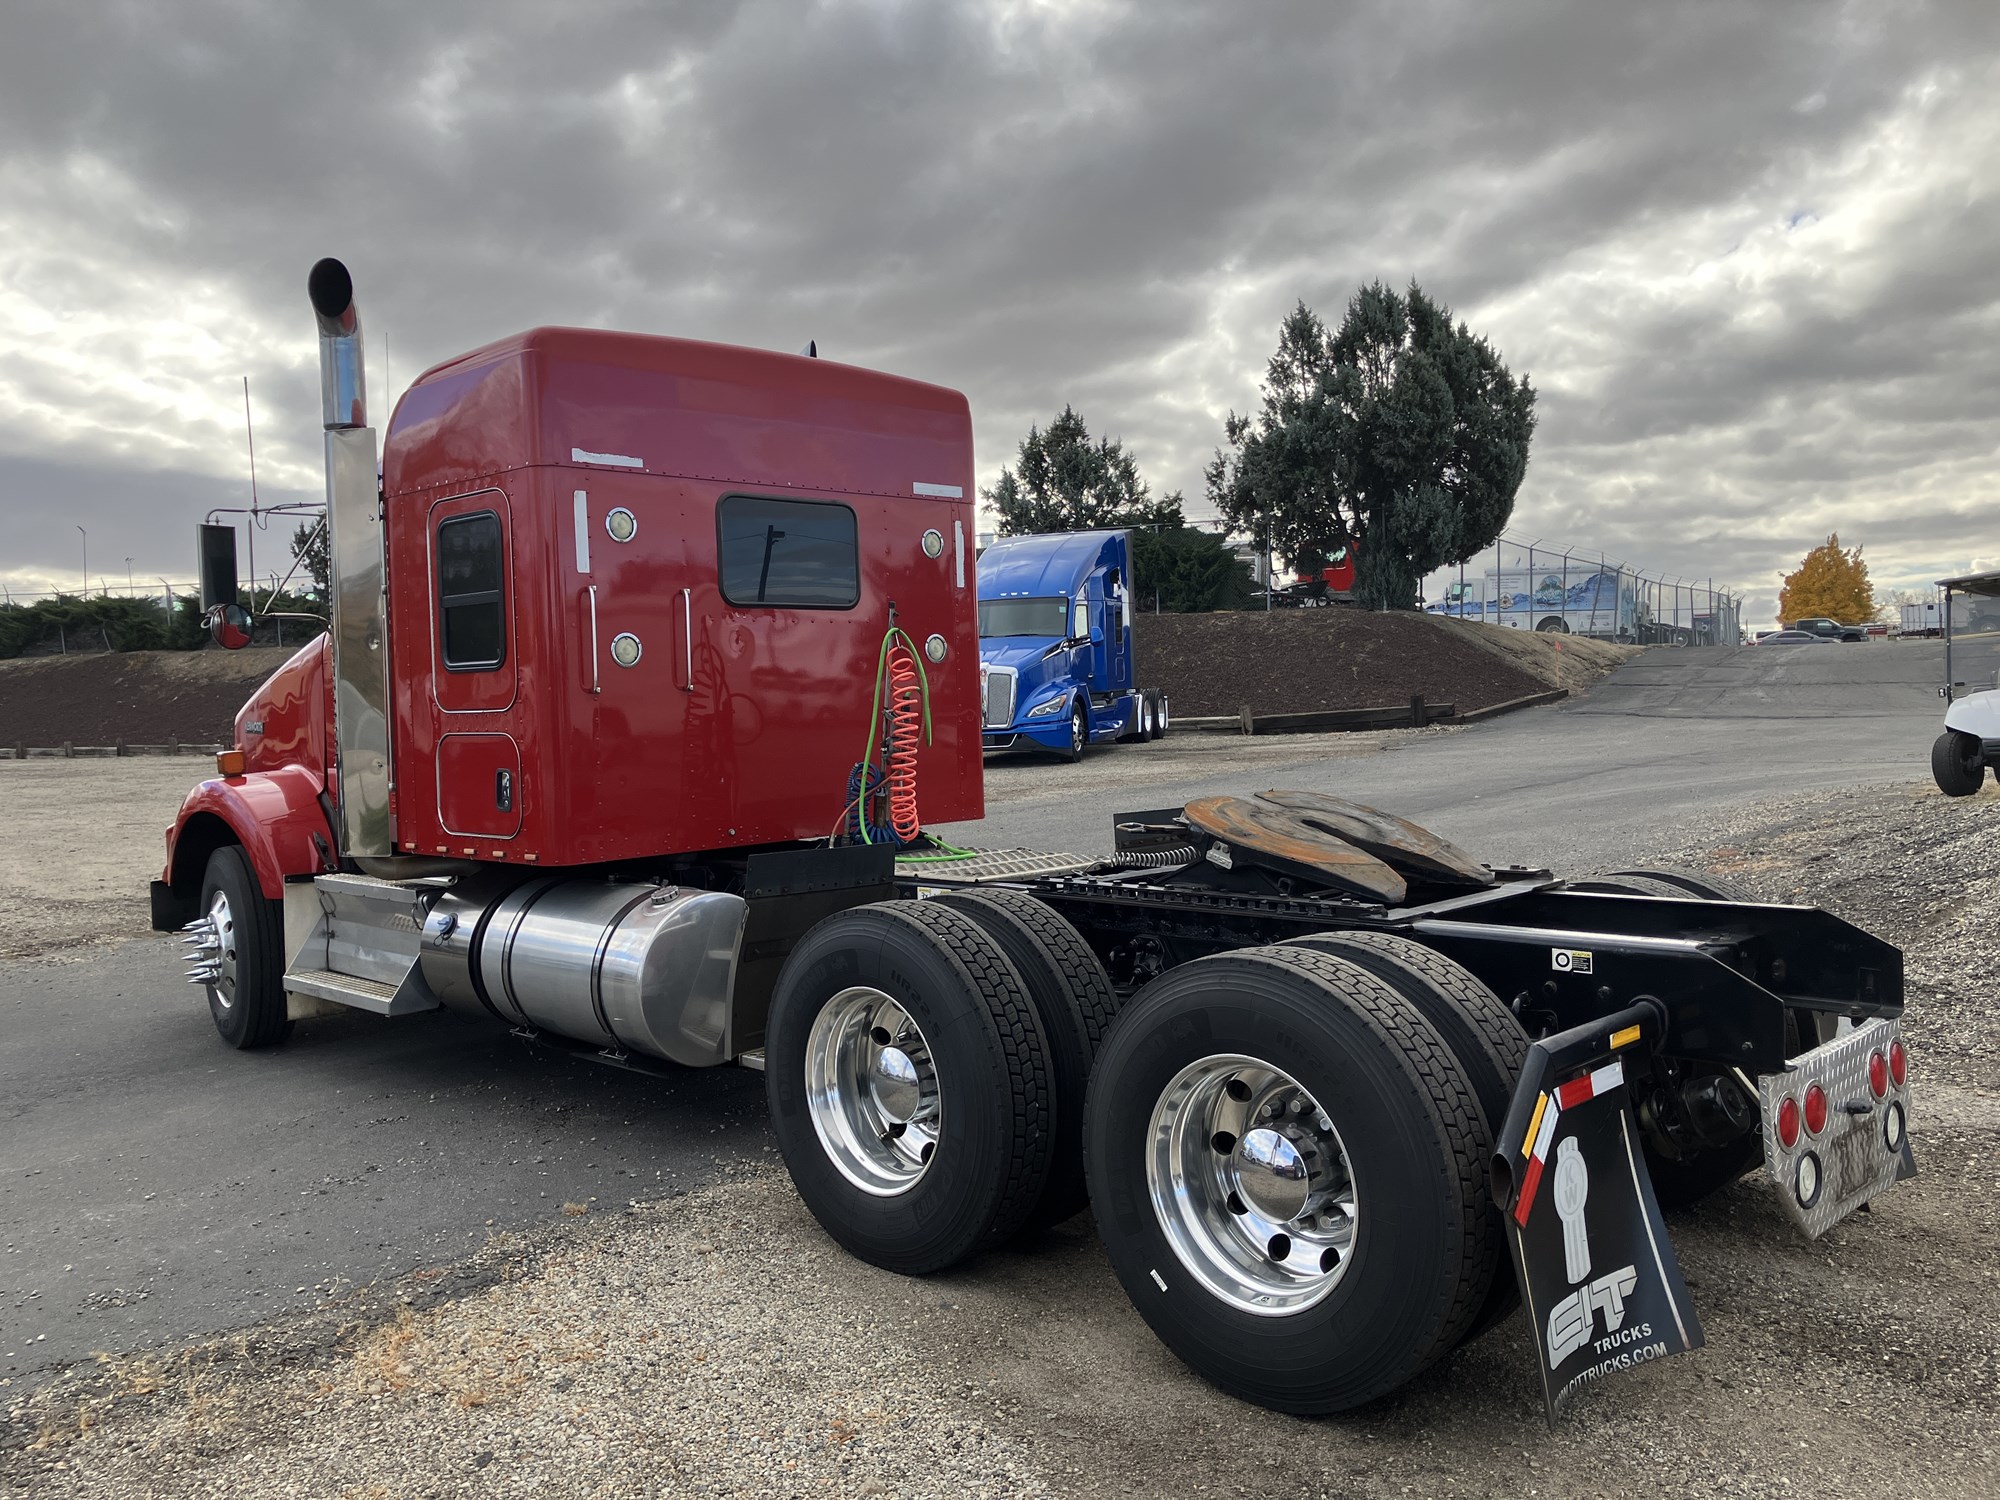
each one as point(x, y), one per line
point(1489, 1042)
point(1452, 1096)
point(1076, 1005)
point(1431, 1116)
point(1011, 1054)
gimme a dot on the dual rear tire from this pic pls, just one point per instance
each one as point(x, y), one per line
point(1285, 1147)
point(1288, 1166)
point(925, 1066)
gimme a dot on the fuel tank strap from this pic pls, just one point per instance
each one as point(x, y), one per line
point(597, 960)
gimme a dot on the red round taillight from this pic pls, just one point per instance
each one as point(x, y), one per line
point(1878, 1073)
point(1815, 1109)
point(1788, 1122)
point(1899, 1063)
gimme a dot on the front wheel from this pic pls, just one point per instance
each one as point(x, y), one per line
point(1957, 763)
point(236, 952)
point(1079, 732)
point(1286, 1163)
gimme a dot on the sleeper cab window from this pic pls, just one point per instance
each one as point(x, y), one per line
point(471, 567)
point(795, 554)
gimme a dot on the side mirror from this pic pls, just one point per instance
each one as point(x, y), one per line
point(229, 626)
point(215, 559)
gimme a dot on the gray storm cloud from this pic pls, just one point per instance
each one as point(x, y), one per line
point(1746, 253)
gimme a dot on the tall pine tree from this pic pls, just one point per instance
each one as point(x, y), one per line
point(1399, 433)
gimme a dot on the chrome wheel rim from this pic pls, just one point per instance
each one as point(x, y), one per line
point(1076, 731)
point(872, 1092)
point(1251, 1185)
point(211, 940)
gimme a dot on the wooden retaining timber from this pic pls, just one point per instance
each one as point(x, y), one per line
point(69, 750)
point(1415, 714)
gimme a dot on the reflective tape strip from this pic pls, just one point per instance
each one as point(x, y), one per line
point(1624, 1038)
point(1548, 1131)
point(1530, 1180)
point(1534, 1124)
point(1607, 1078)
point(1575, 1092)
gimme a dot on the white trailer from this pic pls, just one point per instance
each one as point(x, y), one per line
point(1575, 600)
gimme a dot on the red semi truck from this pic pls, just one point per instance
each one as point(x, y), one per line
point(646, 654)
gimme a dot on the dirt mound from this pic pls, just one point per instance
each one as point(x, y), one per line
point(141, 697)
point(1314, 660)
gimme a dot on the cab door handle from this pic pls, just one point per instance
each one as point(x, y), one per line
point(595, 685)
point(687, 640)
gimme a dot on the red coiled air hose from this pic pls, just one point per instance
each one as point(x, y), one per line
point(899, 757)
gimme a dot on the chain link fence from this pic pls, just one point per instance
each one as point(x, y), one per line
point(1545, 586)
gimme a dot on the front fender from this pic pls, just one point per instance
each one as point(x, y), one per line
point(1976, 714)
point(274, 815)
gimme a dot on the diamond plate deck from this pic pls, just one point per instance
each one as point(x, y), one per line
point(988, 865)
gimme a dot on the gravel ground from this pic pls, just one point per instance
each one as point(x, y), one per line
point(100, 896)
point(717, 1343)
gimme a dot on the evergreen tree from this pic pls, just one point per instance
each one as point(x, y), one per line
point(1185, 570)
point(1830, 583)
point(1399, 434)
point(309, 545)
point(1062, 481)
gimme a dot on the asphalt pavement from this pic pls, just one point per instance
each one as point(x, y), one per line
point(156, 1187)
point(1596, 781)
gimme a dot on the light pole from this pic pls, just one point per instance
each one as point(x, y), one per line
point(86, 560)
point(129, 584)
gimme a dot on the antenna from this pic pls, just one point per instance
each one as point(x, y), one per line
point(250, 438)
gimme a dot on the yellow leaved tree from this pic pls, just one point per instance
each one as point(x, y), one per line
point(1831, 582)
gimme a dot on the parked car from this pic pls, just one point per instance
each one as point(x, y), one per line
point(1790, 638)
point(1829, 630)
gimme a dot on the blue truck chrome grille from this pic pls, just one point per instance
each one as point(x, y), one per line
point(1000, 683)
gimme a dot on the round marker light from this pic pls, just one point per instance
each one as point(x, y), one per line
point(1892, 1127)
point(1815, 1109)
point(1899, 1063)
point(933, 543)
point(1788, 1122)
point(935, 648)
point(1878, 1073)
point(621, 525)
point(625, 649)
point(1805, 1183)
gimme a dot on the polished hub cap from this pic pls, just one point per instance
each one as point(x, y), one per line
point(1251, 1184)
point(211, 957)
point(872, 1091)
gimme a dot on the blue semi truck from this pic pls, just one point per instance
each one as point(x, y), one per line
point(1055, 645)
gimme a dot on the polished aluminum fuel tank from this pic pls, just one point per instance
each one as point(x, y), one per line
point(640, 968)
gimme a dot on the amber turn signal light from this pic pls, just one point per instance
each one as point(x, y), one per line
point(229, 762)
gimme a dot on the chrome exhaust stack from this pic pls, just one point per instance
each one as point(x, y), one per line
point(354, 533)
point(343, 379)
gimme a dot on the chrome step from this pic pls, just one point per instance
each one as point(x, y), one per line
point(407, 998)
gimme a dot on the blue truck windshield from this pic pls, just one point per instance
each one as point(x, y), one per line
point(1037, 617)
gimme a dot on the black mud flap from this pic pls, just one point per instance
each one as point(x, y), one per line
point(171, 912)
point(1597, 1272)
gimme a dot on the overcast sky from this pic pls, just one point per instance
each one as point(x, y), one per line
point(1748, 253)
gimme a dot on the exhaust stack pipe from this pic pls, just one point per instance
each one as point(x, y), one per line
point(343, 381)
point(354, 535)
